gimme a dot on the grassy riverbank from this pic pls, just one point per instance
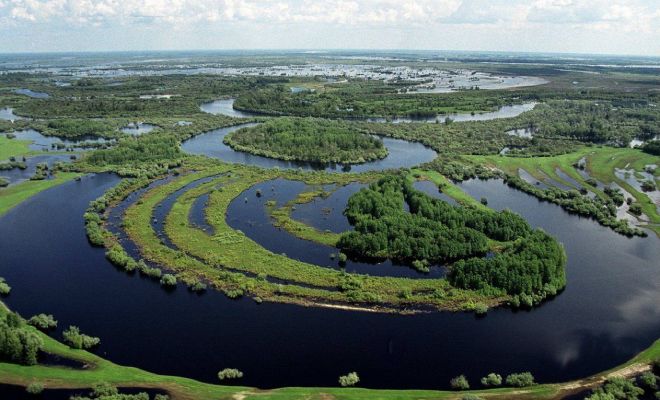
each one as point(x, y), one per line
point(11, 196)
point(13, 147)
point(179, 388)
point(600, 164)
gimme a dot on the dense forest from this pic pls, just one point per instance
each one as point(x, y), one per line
point(308, 139)
point(528, 264)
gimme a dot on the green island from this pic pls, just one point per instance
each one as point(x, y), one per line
point(189, 208)
point(304, 139)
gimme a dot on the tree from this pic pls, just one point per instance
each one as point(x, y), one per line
point(230, 373)
point(168, 280)
point(35, 388)
point(459, 383)
point(492, 379)
point(350, 379)
point(77, 340)
point(4, 287)
point(43, 322)
point(522, 379)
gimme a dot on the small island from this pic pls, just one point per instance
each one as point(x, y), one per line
point(308, 139)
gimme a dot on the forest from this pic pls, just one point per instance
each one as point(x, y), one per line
point(524, 263)
point(308, 139)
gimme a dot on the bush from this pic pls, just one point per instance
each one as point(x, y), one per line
point(77, 340)
point(649, 380)
point(522, 379)
point(168, 280)
point(4, 287)
point(617, 388)
point(35, 388)
point(350, 379)
point(459, 383)
point(471, 397)
point(43, 322)
point(492, 379)
point(230, 373)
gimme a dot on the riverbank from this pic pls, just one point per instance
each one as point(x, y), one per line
point(101, 370)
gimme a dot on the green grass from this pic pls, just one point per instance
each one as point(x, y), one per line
point(200, 254)
point(282, 219)
point(13, 147)
point(11, 196)
point(601, 163)
point(448, 188)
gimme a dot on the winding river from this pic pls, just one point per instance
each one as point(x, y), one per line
point(607, 313)
point(226, 107)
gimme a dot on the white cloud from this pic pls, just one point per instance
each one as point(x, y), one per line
point(405, 22)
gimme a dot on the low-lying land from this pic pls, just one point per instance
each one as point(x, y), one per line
point(304, 139)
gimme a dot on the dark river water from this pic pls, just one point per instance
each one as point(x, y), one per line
point(608, 312)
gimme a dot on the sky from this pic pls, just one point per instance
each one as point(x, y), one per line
point(566, 26)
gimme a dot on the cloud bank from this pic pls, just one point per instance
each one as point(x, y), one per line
point(477, 24)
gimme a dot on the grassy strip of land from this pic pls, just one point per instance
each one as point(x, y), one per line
point(230, 250)
point(600, 164)
point(13, 147)
point(282, 219)
point(179, 388)
point(448, 188)
point(11, 196)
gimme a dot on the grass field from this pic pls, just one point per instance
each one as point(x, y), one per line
point(13, 147)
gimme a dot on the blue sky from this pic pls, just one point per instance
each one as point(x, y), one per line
point(574, 26)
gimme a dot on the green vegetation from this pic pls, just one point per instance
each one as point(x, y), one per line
point(523, 379)
point(306, 139)
point(77, 340)
point(12, 147)
point(43, 322)
point(459, 383)
point(230, 373)
point(5, 289)
point(350, 379)
point(35, 388)
point(528, 264)
point(18, 343)
point(492, 379)
point(617, 388)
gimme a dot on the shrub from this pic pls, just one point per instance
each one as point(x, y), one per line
point(168, 280)
point(617, 388)
point(492, 379)
point(4, 287)
point(635, 209)
point(459, 383)
point(198, 287)
point(649, 380)
point(350, 379)
point(43, 322)
point(35, 388)
point(77, 340)
point(471, 397)
point(230, 373)
point(522, 379)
